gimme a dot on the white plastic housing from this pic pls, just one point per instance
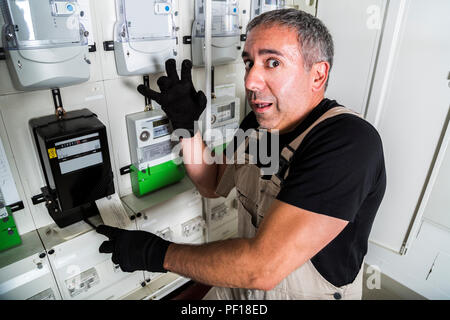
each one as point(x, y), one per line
point(225, 32)
point(45, 44)
point(144, 36)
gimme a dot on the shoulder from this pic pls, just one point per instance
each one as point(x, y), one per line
point(344, 130)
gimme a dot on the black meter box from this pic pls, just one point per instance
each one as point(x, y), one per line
point(75, 160)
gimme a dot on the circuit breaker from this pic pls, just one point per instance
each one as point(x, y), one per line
point(144, 36)
point(45, 44)
point(225, 32)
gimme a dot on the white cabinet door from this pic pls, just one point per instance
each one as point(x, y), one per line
point(436, 201)
point(409, 104)
point(355, 27)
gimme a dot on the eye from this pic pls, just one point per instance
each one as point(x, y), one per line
point(273, 63)
point(248, 64)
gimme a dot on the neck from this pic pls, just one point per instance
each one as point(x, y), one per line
point(314, 103)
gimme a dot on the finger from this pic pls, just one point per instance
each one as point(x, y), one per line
point(164, 84)
point(108, 231)
point(149, 93)
point(186, 68)
point(115, 259)
point(171, 70)
point(201, 99)
point(106, 247)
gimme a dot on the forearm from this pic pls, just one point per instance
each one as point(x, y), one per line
point(199, 164)
point(228, 263)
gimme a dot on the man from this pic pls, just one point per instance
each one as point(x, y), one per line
point(303, 232)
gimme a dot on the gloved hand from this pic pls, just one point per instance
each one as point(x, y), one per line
point(178, 98)
point(134, 250)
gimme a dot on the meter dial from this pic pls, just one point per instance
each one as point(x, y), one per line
point(144, 136)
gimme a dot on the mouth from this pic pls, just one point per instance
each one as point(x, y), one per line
point(261, 107)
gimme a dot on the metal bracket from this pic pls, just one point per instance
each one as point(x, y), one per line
point(187, 40)
point(125, 170)
point(93, 47)
point(2, 54)
point(16, 206)
point(147, 84)
point(108, 45)
point(39, 198)
point(57, 101)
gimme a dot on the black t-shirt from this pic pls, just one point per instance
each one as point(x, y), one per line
point(338, 171)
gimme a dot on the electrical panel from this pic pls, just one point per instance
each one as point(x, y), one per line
point(25, 272)
point(81, 271)
point(144, 36)
point(221, 214)
point(179, 219)
point(75, 160)
point(45, 44)
point(225, 32)
point(154, 164)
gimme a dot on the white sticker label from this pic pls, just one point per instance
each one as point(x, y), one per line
point(3, 213)
point(113, 213)
point(7, 185)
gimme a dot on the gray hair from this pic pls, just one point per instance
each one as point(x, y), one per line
point(316, 43)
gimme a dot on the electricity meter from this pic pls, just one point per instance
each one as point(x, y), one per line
point(153, 161)
point(144, 36)
point(75, 160)
point(45, 44)
point(225, 32)
point(261, 6)
point(224, 121)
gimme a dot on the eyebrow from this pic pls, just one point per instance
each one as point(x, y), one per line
point(245, 54)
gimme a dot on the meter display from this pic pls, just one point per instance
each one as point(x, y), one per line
point(153, 162)
point(225, 32)
point(79, 153)
point(144, 36)
point(45, 44)
point(76, 164)
point(261, 6)
point(224, 121)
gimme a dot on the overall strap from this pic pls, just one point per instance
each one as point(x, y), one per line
point(287, 153)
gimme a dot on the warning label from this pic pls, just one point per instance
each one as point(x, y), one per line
point(51, 153)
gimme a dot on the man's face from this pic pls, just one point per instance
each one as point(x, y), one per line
point(277, 85)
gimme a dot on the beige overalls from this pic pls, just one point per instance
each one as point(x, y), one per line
point(255, 195)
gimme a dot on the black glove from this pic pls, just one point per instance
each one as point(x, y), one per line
point(178, 98)
point(134, 250)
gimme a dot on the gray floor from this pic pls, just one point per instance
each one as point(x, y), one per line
point(389, 289)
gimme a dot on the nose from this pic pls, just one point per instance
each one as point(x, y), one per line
point(254, 79)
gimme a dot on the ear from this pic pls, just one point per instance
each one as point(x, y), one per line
point(319, 75)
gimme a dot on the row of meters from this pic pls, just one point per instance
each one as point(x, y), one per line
point(46, 43)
